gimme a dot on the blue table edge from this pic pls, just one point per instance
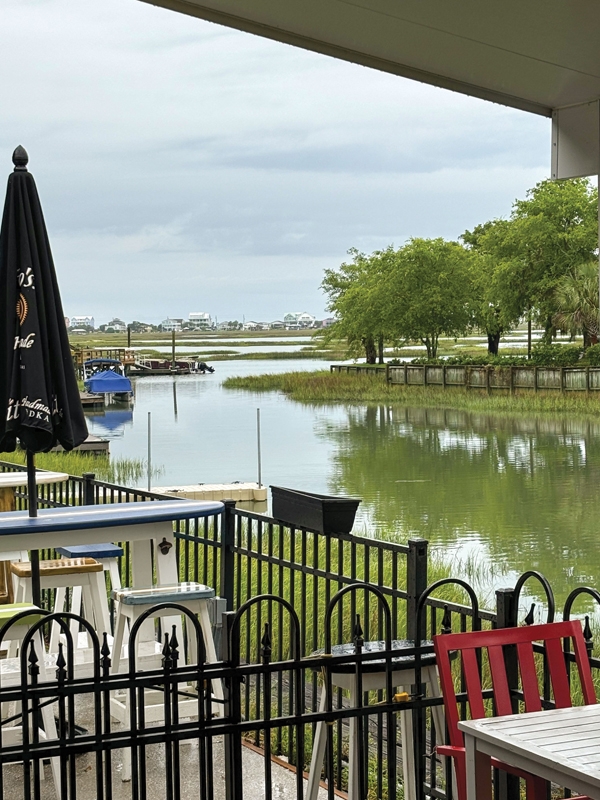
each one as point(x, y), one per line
point(106, 516)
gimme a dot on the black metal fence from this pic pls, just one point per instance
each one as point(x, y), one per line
point(293, 598)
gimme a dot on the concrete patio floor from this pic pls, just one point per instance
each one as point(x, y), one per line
point(253, 769)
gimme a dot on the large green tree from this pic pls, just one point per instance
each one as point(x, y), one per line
point(355, 297)
point(428, 291)
point(501, 295)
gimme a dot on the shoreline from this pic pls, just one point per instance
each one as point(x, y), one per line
point(325, 388)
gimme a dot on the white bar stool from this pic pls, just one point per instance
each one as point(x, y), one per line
point(132, 604)
point(86, 573)
point(108, 555)
point(374, 678)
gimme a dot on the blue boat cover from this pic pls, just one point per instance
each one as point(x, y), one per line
point(107, 382)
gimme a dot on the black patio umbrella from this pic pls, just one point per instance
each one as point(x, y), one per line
point(38, 388)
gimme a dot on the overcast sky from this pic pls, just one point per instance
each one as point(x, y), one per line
point(183, 166)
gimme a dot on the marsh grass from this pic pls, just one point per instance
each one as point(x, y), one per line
point(323, 388)
point(123, 471)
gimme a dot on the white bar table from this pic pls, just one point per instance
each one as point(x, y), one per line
point(139, 523)
point(560, 745)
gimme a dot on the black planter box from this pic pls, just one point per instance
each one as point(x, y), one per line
point(319, 512)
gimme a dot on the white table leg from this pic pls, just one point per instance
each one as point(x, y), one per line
point(100, 608)
point(353, 750)
point(318, 752)
point(141, 574)
point(479, 772)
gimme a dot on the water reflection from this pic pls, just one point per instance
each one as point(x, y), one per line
point(526, 487)
point(111, 424)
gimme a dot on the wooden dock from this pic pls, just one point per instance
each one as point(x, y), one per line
point(93, 444)
point(91, 402)
point(217, 491)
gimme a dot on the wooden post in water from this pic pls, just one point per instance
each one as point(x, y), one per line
point(128, 336)
point(173, 348)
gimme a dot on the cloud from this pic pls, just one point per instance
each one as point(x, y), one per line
point(184, 165)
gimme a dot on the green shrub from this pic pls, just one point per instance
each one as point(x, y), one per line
point(555, 355)
point(592, 355)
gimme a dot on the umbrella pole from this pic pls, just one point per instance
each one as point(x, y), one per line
point(36, 591)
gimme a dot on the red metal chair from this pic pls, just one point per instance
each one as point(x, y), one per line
point(471, 647)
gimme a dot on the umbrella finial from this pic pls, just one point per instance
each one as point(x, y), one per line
point(20, 158)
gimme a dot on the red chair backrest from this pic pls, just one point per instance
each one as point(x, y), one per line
point(468, 645)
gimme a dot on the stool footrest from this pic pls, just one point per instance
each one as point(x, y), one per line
point(179, 592)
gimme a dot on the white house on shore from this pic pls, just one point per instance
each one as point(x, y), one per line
point(298, 319)
point(174, 324)
point(83, 322)
point(200, 319)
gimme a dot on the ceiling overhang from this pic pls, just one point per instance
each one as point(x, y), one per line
point(539, 56)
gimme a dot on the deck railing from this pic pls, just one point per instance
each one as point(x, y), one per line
point(272, 675)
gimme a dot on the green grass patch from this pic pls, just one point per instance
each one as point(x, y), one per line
point(323, 387)
point(123, 471)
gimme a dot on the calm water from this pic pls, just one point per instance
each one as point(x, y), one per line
point(511, 493)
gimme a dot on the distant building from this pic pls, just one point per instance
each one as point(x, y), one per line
point(277, 325)
point(200, 319)
point(172, 324)
point(116, 326)
point(253, 326)
point(298, 319)
point(327, 323)
point(82, 322)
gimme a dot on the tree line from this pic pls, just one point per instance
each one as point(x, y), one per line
point(540, 265)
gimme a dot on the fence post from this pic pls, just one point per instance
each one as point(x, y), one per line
point(405, 374)
point(387, 373)
point(562, 379)
point(88, 498)
point(487, 380)
point(416, 583)
point(511, 384)
point(587, 380)
point(232, 741)
point(507, 786)
point(535, 379)
point(227, 542)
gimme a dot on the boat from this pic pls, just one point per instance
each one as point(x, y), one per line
point(155, 366)
point(106, 376)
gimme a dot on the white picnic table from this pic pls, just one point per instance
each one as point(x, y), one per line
point(559, 745)
point(10, 480)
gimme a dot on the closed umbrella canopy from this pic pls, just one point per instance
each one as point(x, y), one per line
point(38, 388)
point(39, 398)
